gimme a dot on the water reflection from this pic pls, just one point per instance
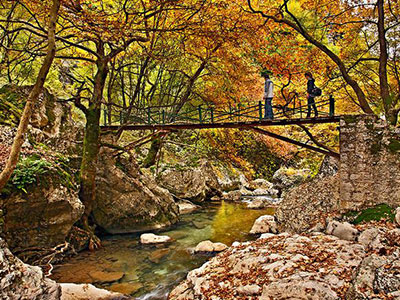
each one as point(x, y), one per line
point(150, 272)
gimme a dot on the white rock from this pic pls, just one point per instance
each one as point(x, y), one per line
point(398, 216)
point(249, 290)
point(208, 246)
point(266, 235)
point(260, 184)
point(150, 238)
point(264, 224)
point(70, 291)
point(260, 192)
point(344, 231)
point(186, 207)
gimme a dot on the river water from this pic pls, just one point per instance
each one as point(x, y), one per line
point(150, 272)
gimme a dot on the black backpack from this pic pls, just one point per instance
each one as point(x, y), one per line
point(316, 91)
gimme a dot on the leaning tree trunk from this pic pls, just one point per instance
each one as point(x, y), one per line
point(91, 143)
point(32, 98)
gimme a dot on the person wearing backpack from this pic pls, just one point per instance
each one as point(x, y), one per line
point(312, 92)
point(268, 94)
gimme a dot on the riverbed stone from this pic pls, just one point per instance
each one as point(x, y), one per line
point(129, 201)
point(159, 254)
point(126, 288)
point(264, 224)
point(105, 276)
point(71, 291)
point(151, 238)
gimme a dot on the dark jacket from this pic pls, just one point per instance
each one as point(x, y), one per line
point(310, 86)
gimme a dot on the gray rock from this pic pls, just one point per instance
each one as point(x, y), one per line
point(344, 231)
point(22, 281)
point(233, 196)
point(128, 200)
point(398, 216)
point(195, 184)
point(43, 216)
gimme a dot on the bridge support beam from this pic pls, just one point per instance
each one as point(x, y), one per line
point(297, 143)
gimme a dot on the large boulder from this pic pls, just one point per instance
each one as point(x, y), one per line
point(43, 215)
point(276, 267)
point(306, 206)
point(22, 281)
point(195, 184)
point(128, 200)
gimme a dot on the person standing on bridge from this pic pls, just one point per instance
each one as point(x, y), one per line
point(268, 94)
point(311, 96)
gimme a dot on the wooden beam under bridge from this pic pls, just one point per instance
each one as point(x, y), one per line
point(244, 125)
point(297, 143)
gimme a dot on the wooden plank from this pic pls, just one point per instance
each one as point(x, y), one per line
point(262, 123)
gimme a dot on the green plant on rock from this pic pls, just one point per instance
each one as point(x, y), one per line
point(27, 172)
point(376, 213)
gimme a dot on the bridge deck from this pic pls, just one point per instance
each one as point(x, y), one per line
point(248, 124)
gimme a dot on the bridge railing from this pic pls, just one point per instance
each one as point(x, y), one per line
point(216, 114)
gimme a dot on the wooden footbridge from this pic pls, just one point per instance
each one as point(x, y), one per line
point(170, 118)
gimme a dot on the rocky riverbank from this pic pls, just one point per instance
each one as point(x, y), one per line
point(305, 266)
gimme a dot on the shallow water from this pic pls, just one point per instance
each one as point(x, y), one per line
point(150, 272)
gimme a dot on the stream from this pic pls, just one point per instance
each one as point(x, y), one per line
point(151, 272)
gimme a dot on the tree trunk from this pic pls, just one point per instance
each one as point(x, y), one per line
point(91, 143)
point(153, 152)
point(32, 98)
point(388, 103)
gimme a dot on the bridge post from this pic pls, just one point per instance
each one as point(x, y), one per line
point(260, 114)
point(105, 116)
point(331, 106)
point(163, 116)
point(200, 115)
point(212, 114)
point(238, 111)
